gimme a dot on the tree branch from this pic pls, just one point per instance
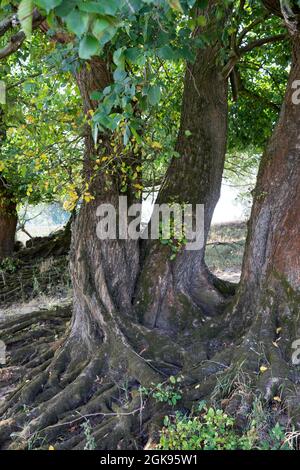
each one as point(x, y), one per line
point(5, 25)
point(262, 42)
point(17, 39)
point(237, 54)
point(251, 26)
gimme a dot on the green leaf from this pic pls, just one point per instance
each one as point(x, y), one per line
point(99, 26)
point(105, 7)
point(48, 4)
point(154, 95)
point(203, 3)
point(201, 20)
point(77, 22)
point(135, 55)
point(119, 58)
point(88, 47)
point(25, 11)
point(65, 8)
point(166, 53)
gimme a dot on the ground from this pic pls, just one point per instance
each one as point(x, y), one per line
point(36, 301)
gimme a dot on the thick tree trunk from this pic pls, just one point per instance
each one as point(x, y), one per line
point(118, 279)
point(172, 295)
point(267, 305)
point(273, 246)
point(8, 212)
point(8, 221)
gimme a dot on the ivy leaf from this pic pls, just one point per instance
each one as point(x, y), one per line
point(77, 22)
point(88, 47)
point(25, 11)
point(166, 53)
point(154, 95)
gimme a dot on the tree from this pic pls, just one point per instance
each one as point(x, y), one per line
point(267, 304)
point(127, 327)
point(42, 130)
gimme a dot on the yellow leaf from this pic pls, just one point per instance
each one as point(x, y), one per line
point(51, 448)
point(156, 145)
point(88, 197)
point(263, 369)
point(278, 399)
point(278, 330)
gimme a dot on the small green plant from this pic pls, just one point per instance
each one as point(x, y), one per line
point(90, 440)
point(35, 441)
point(167, 392)
point(176, 230)
point(9, 265)
point(276, 440)
point(212, 429)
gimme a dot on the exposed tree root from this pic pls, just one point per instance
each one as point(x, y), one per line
point(100, 385)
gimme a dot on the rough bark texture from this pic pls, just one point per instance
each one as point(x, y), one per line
point(8, 212)
point(8, 221)
point(171, 295)
point(267, 305)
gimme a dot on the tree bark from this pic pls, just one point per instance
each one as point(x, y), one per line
point(117, 279)
point(266, 310)
point(8, 209)
point(172, 295)
point(8, 222)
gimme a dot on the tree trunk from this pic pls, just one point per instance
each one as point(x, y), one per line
point(8, 224)
point(8, 212)
point(267, 305)
point(172, 295)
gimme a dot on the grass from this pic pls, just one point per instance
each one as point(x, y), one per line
point(225, 250)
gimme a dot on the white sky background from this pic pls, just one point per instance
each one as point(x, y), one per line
point(229, 209)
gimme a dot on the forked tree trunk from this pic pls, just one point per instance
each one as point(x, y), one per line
point(115, 279)
point(137, 315)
